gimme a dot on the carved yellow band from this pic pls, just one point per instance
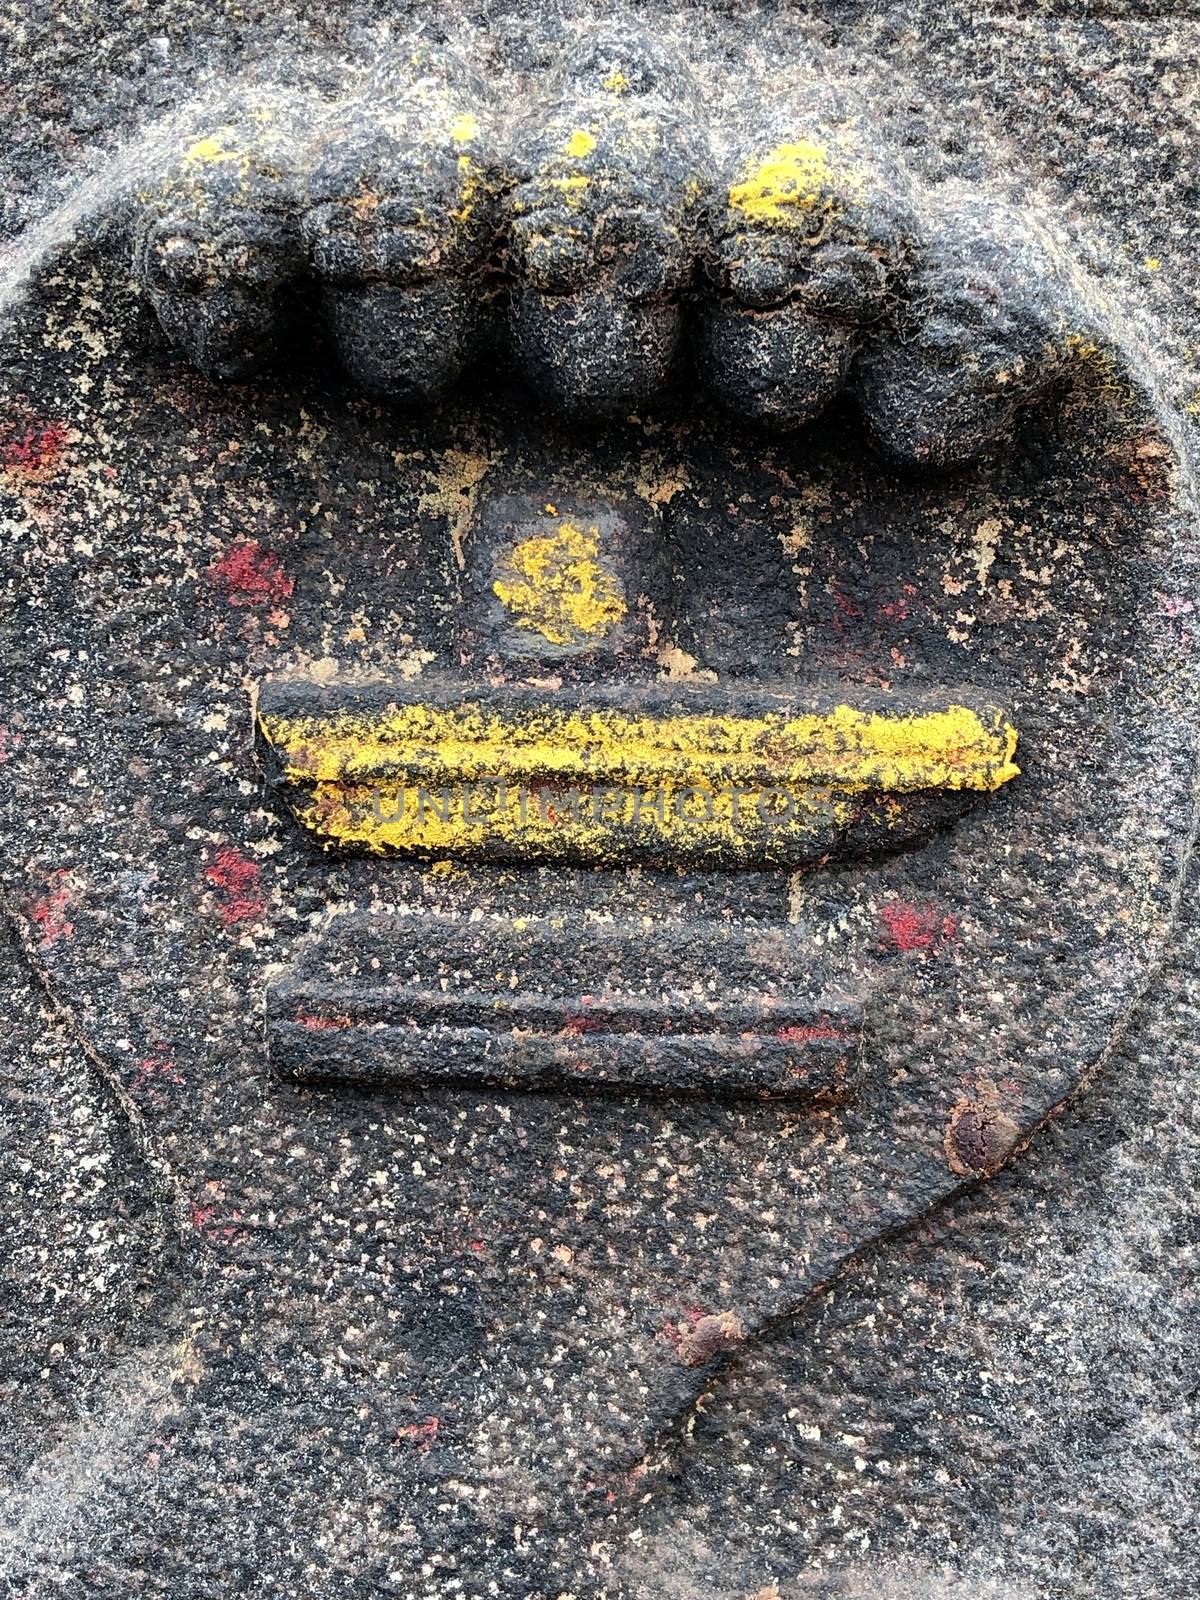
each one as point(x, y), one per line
point(551, 782)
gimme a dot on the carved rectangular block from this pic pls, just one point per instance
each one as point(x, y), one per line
point(565, 1004)
point(646, 771)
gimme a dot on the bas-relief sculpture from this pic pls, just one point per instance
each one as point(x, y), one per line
point(692, 843)
point(595, 238)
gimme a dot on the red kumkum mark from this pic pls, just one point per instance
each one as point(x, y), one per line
point(251, 576)
point(155, 1074)
point(672, 1332)
point(33, 449)
point(211, 1220)
point(897, 610)
point(49, 916)
point(813, 1031)
point(908, 927)
point(321, 1024)
point(575, 1025)
point(238, 882)
point(420, 1435)
point(845, 612)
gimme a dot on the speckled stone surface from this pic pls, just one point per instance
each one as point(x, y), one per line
point(317, 1342)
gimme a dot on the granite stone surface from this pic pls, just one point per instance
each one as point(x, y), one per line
point(932, 1328)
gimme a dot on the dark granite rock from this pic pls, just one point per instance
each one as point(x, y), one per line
point(450, 1338)
point(400, 212)
point(610, 173)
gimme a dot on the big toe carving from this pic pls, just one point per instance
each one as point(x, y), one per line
point(981, 335)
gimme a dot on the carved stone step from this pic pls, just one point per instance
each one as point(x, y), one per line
point(632, 772)
point(565, 1003)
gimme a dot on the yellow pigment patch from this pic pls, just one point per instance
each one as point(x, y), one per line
point(482, 821)
point(468, 174)
point(844, 748)
point(557, 586)
point(464, 128)
point(788, 182)
point(572, 186)
point(580, 144)
point(1082, 347)
point(616, 82)
point(210, 151)
point(608, 785)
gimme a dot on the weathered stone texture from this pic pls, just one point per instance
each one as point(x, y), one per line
point(847, 345)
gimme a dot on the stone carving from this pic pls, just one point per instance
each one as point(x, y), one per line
point(627, 772)
point(398, 218)
point(605, 213)
point(808, 235)
point(983, 331)
point(596, 1008)
point(218, 241)
point(808, 266)
point(810, 1033)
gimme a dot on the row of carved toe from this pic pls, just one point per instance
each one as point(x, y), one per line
point(598, 235)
